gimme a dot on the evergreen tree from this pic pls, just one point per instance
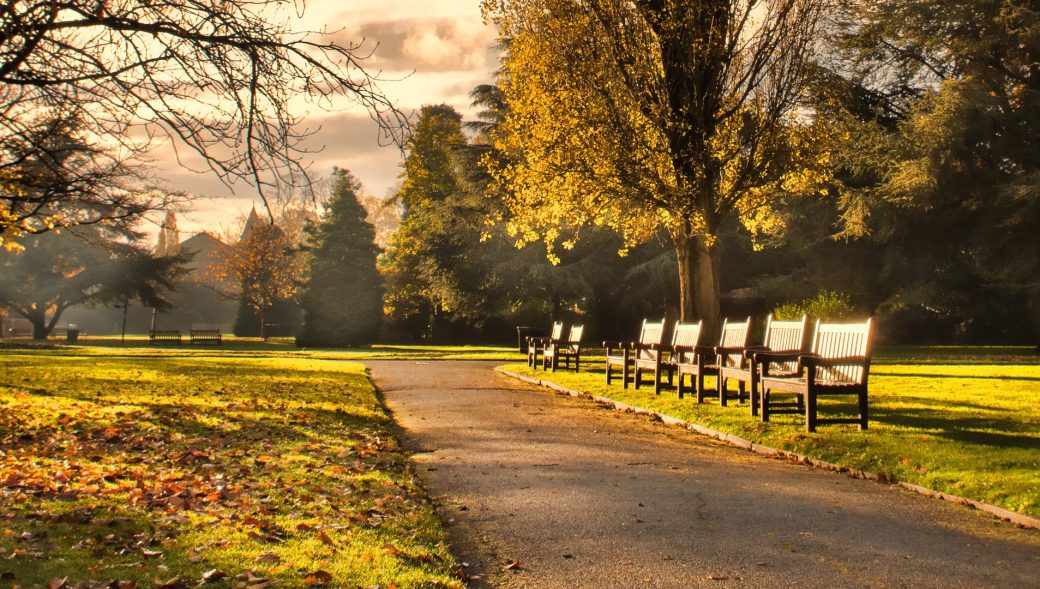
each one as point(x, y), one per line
point(343, 296)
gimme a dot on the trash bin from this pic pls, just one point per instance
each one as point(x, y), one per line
point(72, 334)
point(524, 332)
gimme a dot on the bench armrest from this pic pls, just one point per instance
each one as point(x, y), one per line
point(724, 351)
point(704, 350)
point(750, 351)
point(766, 357)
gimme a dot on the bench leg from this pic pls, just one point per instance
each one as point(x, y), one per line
point(863, 411)
point(608, 372)
point(810, 411)
point(700, 387)
point(577, 362)
point(721, 385)
point(763, 395)
point(624, 375)
point(679, 385)
point(657, 378)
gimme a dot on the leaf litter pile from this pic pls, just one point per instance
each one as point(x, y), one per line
point(179, 471)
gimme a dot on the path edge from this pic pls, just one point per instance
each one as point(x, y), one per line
point(1018, 519)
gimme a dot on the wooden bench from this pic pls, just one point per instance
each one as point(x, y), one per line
point(21, 332)
point(206, 336)
point(839, 364)
point(624, 354)
point(164, 336)
point(566, 349)
point(706, 360)
point(780, 336)
point(684, 338)
point(537, 345)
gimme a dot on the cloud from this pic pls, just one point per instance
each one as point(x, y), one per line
point(428, 45)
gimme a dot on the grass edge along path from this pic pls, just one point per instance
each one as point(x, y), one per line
point(578, 385)
point(174, 471)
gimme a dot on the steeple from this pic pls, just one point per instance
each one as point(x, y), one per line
point(169, 236)
point(253, 223)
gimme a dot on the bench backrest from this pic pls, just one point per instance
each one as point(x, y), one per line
point(557, 331)
point(838, 340)
point(786, 336)
point(650, 334)
point(684, 337)
point(734, 335)
point(574, 338)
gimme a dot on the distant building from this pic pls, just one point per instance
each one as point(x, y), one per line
point(196, 302)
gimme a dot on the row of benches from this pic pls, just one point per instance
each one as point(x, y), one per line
point(787, 373)
point(198, 336)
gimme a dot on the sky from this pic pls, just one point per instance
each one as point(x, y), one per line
point(428, 52)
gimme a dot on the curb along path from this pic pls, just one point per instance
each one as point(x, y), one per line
point(546, 490)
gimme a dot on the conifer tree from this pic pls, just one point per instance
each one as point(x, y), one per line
point(343, 296)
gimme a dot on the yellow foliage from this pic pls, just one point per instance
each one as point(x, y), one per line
point(584, 149)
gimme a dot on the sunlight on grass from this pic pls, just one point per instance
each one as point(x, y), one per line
point(157, 464)
point(970, 429)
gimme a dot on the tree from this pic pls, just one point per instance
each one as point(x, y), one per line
point(343, 295)
point(640, 114)
point(55, 174)
point(217, 78)
point(955, 177)
point(261, 270)
point(429, 240)
point(81, 267)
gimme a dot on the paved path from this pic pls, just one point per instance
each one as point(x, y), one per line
point(587, 497)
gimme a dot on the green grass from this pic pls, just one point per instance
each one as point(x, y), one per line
point(274, 347)
point(153, 464)
point(954, 421)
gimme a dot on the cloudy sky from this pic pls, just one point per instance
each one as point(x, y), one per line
point(429, 52)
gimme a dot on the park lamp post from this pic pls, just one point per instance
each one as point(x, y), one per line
point(124, 306)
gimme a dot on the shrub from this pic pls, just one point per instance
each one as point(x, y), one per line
point(827, 305)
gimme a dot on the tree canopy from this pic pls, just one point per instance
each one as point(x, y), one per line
point(220, 79)
point(644, 114)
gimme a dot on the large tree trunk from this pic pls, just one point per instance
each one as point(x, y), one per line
point(38, 319)
point(698, 283)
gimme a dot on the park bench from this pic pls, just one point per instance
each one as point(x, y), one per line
point(21, 332)
point(838, 365)
point(684, 338)
point(537, 345)
point(624, 354)
point(167, 336)
point(206, 336)
point(565, 349)
point(780, 336)
point(706, 360)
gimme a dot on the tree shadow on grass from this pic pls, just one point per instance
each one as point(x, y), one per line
point(986, 431)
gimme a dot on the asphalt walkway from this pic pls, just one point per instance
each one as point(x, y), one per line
point(543, 490)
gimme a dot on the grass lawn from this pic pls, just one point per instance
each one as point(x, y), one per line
point(286, 347)
point(959, 420)
point(176, 467)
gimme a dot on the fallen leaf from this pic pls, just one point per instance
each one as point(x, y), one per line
point(268, 557)
point(325, 539)
point(718, 577)
point(212, 576)
point(150, 553)
point(513, 565)
point(318, 578)
point(57, 583)
point(174, 583)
